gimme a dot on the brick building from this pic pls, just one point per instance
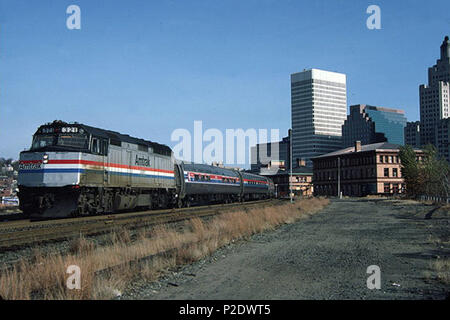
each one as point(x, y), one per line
point(362, 170)
point(301, 181)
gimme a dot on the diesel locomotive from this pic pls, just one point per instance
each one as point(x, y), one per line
point(74, 169)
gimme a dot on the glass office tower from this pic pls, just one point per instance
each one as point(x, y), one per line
point(370, 124)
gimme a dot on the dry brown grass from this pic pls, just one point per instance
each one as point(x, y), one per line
point(106, 270)
point(442, 268)
point(375, 196)
point(81, 245)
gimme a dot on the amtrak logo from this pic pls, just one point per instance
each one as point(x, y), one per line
point(30, 166)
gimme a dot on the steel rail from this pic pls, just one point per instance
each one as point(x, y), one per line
point(57, 230)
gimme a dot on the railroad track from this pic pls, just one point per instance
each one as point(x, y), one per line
point(16, 234)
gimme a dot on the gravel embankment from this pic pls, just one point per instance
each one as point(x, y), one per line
point(324, 257)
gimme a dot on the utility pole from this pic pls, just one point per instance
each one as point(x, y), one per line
point(339, 177)
point(290, 162)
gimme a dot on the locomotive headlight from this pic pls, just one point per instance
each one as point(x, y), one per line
point(45, 158)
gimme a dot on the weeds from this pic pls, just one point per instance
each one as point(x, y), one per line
point(442, 268)
point(107, 270)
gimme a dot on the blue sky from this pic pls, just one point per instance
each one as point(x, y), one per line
point(147, 68)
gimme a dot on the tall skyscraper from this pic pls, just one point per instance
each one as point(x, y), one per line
point(319, 109)
point(434, 97)
point(412, 134)
point(370, 124)
point(443, 138)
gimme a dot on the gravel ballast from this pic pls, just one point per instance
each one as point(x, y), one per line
point(323, 257)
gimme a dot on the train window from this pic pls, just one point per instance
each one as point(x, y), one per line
point(95, 145)
point(78, 141)
point(42, 141)
point(104, 147)
point(75, 141)
point(196, 177)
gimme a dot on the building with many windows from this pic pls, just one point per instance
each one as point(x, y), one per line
point(434, 97)
point(443, 138)
point(271, 155)
point(301, 182)
point(319, 109)
point(370, 124)
point(412, 134)
point(360, 170)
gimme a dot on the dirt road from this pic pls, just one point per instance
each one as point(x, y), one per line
point(324, 257)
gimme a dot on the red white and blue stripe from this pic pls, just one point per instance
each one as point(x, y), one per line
point(84, 166)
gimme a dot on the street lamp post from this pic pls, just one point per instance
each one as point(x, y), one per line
point(339, 177)
point(290, 176)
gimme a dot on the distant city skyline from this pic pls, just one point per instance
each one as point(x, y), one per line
point(148, 68)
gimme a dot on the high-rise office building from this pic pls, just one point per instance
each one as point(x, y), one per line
point(319, 109)
point(412, 134)
point(443, 138)
point(434, 97)
point(370, 124)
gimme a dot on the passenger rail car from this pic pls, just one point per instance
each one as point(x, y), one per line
point(255, 187)
point(201, 183)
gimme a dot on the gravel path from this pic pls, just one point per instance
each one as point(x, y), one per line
point(324, 257)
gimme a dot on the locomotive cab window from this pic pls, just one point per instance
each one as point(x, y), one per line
point(72, 141)
point(42, 141)
point(99, 146)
